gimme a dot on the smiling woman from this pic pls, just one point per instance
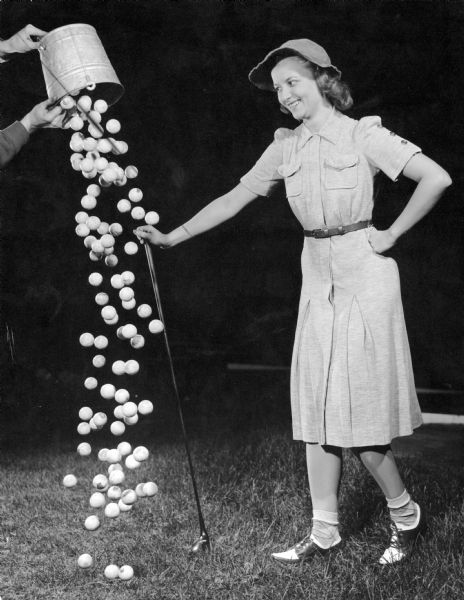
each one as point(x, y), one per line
point(352, 383)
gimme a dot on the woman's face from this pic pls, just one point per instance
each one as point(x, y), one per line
point(296, 88)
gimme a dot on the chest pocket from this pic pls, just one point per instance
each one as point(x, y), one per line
point(291, 172)
point(341, 171)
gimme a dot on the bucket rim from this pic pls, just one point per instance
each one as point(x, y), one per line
point(71, 25)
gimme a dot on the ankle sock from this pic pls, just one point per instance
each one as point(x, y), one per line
point(324, 531)
point(404, 511)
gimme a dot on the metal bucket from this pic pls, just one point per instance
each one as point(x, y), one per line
point(73, 58)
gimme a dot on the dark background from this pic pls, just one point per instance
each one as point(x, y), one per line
point(194, 125)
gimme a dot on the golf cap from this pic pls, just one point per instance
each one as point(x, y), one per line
point(260, 75)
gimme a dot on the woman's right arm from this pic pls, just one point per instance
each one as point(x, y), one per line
point(216, 212)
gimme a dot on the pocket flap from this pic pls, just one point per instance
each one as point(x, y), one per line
point(286, 170)
point(342, 161)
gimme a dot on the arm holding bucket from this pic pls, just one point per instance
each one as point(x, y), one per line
point(25, 40)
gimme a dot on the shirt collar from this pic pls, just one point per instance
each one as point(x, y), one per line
point(330, 130)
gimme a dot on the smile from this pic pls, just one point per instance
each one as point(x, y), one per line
point(292, 104)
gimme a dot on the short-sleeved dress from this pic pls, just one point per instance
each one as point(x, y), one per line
point(352, 382)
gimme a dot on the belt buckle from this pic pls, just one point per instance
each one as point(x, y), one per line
point(321, 233)
point(341, 230)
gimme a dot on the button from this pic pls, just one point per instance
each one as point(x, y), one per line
point(404, 141)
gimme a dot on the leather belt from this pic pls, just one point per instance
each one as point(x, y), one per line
point(340, 230)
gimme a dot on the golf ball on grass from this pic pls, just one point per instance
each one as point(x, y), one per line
point(131, 463)
point(126, 572)
point(150, 488)
point(97, 500)
point(112, 510)
point(113, 456)
point(92, 523)
point(139, 490)
point(129, 496)
point(116, 477)
point(102, 454)
point(85, 561)
point(112, 572)
point(114, 492)
point(100, 482)
point(124, 507)
point(70, 480)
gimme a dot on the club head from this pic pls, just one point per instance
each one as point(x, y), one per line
point(202, 543)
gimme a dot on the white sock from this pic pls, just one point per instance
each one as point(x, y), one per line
point(325, 528)
point(403, 511)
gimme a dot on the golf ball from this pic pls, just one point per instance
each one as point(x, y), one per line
point(130, 171)
point(118, 367)
point(90, 383)
point(85, 103)
point(129, 496)
point(150, 488)
point(117, 428)
point(85, 413)
point(116, 229)
point(145, 407)
point(152, 218)
point(137, 213)
point(135, 195)
point(132, 367)
point(117, 282)
point(86, 340)
point(108, 312)
point(84, 449)
point(92, 523)
point(111, 260)
point(97, 500)
point(128, 331)
point(123, 205)
point(95, 279)
point(113, 456)
point(98, 361)
point(131, 248)
point(116, 477)
point(139, 490)
point(126, 572)
point(82, 230)
point(131, 463)
point(69, 480)
point(107, 391)
point(129, 304)
point(100, 482)
point(93, 190)
point(112, 510)
point(138, 341)
point(102, 454)
point(131, 420)
point(112, 572)
point(124, 507)
point(101, 342)
point(100, 419)
point(129, 409)
point(113, 126)
point(140, 453)
point(156, 326)
point(114, 492)
point(83, 428)
point(144, 311)
point(85, 561)
point(124, 448)
point(121, 396)
point(117, 412)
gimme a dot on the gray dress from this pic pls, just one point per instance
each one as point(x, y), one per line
point(351, 379)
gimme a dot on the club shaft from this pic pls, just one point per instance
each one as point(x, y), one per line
point(151, 268)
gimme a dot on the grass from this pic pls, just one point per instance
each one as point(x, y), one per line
point(252, 482)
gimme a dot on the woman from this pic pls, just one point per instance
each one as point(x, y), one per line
point(351, 381)
point(44, 114)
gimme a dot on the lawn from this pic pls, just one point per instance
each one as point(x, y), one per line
point(252, 482)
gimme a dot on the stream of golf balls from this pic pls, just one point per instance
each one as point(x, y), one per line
point(127, 320)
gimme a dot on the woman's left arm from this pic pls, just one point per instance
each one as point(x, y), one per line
point(432, 181)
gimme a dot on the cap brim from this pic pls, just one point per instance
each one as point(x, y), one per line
point(260, 76)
